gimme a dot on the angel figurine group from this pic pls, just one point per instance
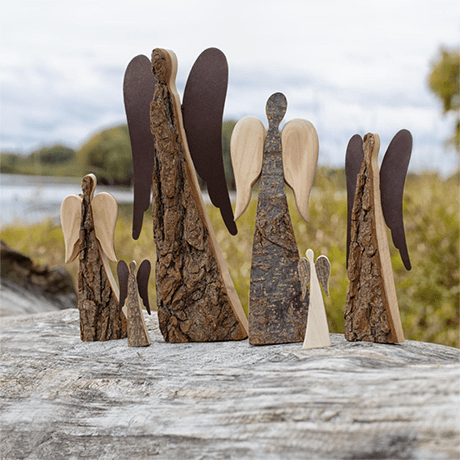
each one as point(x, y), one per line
point(196, 299)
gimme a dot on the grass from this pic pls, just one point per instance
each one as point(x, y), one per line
point(428, 295)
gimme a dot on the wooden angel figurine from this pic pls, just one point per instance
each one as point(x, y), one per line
point(313, 274)
point(132, 289)
point(88, 223)
point(196, 298)
point(277, 312)
point(372, 312)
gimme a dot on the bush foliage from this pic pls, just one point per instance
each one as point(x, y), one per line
point(428, 295)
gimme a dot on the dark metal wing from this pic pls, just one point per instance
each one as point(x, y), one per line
point(353, 161)
point(202, 110)
point(392, 177)
point(123, 274)
point(143, 275)
point(138, 87)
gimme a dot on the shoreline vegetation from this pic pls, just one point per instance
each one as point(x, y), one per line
point(428, 295)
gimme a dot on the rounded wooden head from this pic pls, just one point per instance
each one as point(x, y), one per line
point(162, 65)
point(88, 185)
point(276, 108)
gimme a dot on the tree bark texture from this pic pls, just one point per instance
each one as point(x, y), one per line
point(277, 314)
point(367, 315)
point(98, 305)
point(192, 299)
point(137, 331)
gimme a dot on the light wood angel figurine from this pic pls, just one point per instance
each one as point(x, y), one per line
point(277, 313)
point(375, 199)
point(315, 273)
point(88, 223)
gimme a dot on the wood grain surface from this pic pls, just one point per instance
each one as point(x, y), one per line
point(61, 398)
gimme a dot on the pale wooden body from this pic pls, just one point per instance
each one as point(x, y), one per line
point(196, 191)
point(384, 250)
point(138, 335)
point(317, 334)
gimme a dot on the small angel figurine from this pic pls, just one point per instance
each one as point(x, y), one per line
point(277, 313)
point(375, 198)
point(132, 288)
point(315, 273)
point(88, 223)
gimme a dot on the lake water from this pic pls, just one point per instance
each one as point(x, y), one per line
point(30, 199)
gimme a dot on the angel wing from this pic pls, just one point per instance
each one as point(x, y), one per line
point(105, 213)
point(143, 275)
point(70, 222)
point(300, 145)
point(353, 160)
point(304, 275)
point(138, 88)
point(323, 271)
point(392, 177)
point(202, 111)
point(123, 275)
point(247, 151)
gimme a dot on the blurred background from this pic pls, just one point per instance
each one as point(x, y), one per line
point(349, 67)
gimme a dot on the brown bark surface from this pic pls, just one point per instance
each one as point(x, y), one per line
point(137, 331)
point(366, 315)
point(98, 305)
point(192, 299)
point(277, 313)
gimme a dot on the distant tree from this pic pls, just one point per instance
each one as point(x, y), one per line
point(57, 154)
point(444, 82)
point(108, 155)
point(9, 162)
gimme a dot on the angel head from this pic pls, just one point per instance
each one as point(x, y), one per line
point(300, 147)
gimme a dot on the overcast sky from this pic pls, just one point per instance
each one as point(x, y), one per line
point(347, 66)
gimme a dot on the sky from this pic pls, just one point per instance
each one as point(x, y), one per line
point(348, 67)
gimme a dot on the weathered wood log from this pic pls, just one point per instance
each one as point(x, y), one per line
point(196, 298)
point(372, 312)
point(61, 398)
point(97, 290)
point(277, 313)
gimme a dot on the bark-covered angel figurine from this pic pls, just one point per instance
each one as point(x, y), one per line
point(88, 223)
point(277, 313)
point(132, 289)
point(375, 198)
point(196, 298)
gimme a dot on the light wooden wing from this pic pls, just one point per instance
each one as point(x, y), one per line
point(105, 213)
point(323, 271)
point(70, 223)
point(300, 146)
point(247, 150)
point(304, 276)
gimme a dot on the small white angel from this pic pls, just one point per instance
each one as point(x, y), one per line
point(88, 223)
point(317, 334)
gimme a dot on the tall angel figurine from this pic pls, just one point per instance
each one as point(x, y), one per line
point(277, 313)
point(196, 298)
point(88, 223)
point(375, 199)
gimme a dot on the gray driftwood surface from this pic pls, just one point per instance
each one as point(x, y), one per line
point(62, 398)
